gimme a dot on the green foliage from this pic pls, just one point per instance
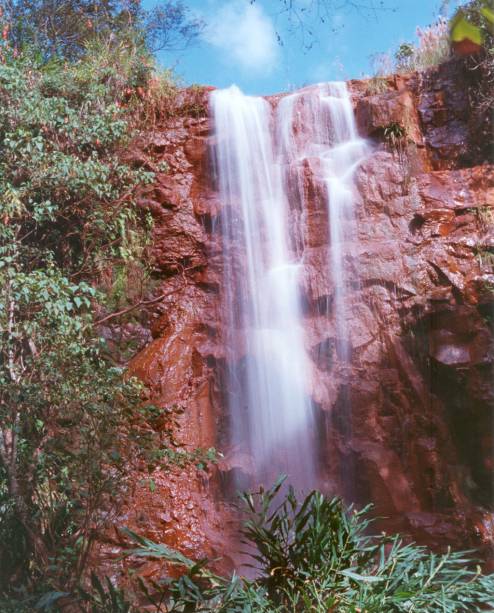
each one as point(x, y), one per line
point(395, 137)
point(432, 49)
point(105, 598)
point(64, 28)
point(120, 65)
point(404, 56)
point(473, 22)
point(394, 131)
point(317, 556)
point(67, 215)
point(201, 458)
point(472, 25)
point(472, 32)
point(485, 258)
point(59, 169)
point(462, 29)
point(70, 422)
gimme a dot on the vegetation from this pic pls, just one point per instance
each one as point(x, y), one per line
point(394, 134)
point(311, 556)
point(63, 28)
point(76, 80)
point(472, 25)
point(432, 49)
point(69, 101)
point(468, 39)
point(472, 33)
point(469, 32)
point(485, 258)
point(377, 84)
point(60, 403)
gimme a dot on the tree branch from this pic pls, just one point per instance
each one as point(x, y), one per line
point(136, 306)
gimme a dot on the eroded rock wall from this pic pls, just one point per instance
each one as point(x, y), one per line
point(408, 426)
point(180, 349)
point(422, 436)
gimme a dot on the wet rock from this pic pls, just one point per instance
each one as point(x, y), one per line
point(407, 424)
point(376, 113)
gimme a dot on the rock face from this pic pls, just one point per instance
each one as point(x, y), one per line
point(179, 505)
point(422, 416)
point(408, 425)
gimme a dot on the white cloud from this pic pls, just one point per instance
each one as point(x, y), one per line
point(246, 36)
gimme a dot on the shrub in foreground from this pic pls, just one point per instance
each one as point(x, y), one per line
point(68, 220)
point(313, 555)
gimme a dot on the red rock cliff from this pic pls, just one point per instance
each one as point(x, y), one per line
point(419, 439)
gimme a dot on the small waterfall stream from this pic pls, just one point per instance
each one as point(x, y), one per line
point(270, 409)
point(317, 129)
point(258, 151)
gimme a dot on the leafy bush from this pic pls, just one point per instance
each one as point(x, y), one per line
point(472, 33)
point(68, 218)
point(63, 28)
point(317, 556)
point(394, 134)
point(404, 56)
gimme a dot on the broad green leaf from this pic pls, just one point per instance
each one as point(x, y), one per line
point(488, 14)
point(462, 29)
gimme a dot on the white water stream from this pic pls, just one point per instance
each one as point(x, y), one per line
point(269, 371)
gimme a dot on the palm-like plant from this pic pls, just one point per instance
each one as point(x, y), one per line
point(317, 556)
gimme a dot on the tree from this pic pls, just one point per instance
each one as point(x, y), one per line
point(67, 214)
point(63, 28)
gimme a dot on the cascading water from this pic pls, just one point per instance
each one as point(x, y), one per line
point(270, 408)
point(258, 152)
point(317, 128)
point(339, 164)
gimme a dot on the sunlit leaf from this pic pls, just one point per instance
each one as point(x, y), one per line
point(488, 13)
point(462, 29)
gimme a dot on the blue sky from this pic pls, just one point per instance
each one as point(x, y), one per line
point(239, 43)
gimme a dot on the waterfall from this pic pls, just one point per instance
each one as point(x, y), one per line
point(257, 152)
point(270, 408)
point(317, 128)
